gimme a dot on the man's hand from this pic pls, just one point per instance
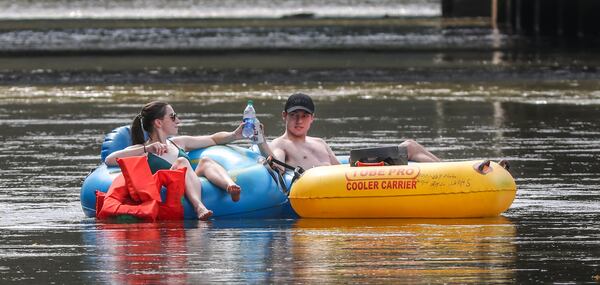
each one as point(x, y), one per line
point(259, 135)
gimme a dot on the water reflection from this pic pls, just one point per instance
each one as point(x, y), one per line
point(424, 251)
point(248, 251)
point(142, 253)
point(331, 251)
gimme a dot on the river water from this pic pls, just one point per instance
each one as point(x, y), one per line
point(67, 77)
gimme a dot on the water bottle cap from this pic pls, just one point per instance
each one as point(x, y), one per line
point(250, 102)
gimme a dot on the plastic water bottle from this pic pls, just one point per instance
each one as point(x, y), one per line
point(257, 138)
point(249, 120)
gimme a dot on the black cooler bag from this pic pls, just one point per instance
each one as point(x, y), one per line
point(389, 155)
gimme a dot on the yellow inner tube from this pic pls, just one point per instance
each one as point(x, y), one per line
point(417, 190)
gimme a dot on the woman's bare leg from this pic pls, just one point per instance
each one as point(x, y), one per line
point(418, 153)
point(216, 174)
point(193, 189)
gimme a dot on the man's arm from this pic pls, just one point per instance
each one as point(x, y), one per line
point(264, 149)
point(279, 154)
point(273, 150)
point(332, 158)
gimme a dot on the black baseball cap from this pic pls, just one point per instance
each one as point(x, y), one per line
point(299, 101)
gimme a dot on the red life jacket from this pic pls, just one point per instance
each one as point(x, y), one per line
point(174, 180)
point(137, 192)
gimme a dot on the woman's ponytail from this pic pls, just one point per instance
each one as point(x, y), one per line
point(137, 131)
point(144, 121)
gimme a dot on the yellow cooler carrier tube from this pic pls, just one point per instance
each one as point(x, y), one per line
point(417, 190)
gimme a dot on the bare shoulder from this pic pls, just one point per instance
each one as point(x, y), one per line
point(320, 140)
point(179, 141)
point(280, 142)
point(315, 140)
point(280, 147)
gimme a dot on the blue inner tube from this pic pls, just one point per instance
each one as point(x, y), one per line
point(261, 196)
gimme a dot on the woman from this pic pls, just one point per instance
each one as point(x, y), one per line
point(165, 150)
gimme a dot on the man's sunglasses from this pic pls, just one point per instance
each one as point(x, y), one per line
point(173, 116)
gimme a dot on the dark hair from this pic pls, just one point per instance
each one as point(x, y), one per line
point(151, 111)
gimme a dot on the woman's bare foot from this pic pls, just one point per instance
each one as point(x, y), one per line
point(203, 213)
point(235, 191)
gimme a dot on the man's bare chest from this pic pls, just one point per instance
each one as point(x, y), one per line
point(308, 154)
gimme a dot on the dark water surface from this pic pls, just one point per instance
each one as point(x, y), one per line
point(51, 138)
point(379, 71)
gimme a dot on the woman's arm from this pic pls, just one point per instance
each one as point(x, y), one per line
point(134, 150)
point(194, 142)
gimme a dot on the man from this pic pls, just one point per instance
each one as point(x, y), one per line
point(296, 148)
